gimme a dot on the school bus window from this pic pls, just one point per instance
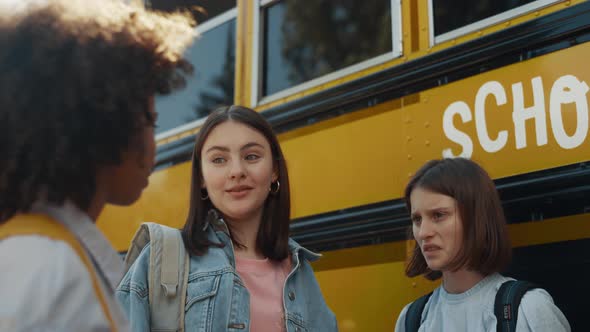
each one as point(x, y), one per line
point(305, 41)
point(453, 18)
point(211, 85)
point(202, 10)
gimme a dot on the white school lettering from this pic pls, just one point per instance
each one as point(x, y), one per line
point(497, 90)
point(454, 134)
point(535, 112)
point(566, 89)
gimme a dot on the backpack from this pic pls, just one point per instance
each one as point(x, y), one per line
point(506, 306)
point(43, 225)
point(167, 274)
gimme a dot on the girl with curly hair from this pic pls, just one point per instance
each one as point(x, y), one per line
point(77, 87)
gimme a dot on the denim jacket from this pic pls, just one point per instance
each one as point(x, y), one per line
point(217, 299)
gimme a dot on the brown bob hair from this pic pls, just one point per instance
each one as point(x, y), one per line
point(273, 234)
point(486, 244)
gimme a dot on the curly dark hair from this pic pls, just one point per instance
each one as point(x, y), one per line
point(76, 80)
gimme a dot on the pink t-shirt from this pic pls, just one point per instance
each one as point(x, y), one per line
point(265, 280)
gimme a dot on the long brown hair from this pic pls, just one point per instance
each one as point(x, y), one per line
point(486, 244)
point(273, 234)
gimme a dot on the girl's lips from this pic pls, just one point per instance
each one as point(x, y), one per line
point(239, 188)
point(430, 248)
point(239, 193)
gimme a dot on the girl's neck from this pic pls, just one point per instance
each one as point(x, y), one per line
point(96, 205)
point(248, 252)
point(456, 282)
point(245, 231)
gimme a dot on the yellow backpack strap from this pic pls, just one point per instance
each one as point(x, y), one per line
point(43, 225)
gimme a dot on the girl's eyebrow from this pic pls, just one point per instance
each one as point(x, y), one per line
point(216, 147)
point(226, 149)
point(434, 209)
point(438, 208)
point(251, 144)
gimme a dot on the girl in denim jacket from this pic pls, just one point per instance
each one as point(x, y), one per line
point(245, 273)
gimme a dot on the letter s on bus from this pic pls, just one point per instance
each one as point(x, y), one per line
point(453, 133)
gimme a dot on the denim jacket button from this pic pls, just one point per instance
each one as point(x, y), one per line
point(291, 296)
point(239, 326)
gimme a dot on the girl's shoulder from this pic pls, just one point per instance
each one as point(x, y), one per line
point(538, 312)
point(41, 258)
point(297, 249)
point(537, 302)
point(39, 273)
point(536, 298)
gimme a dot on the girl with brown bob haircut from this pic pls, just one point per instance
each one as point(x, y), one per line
point(461, 236)
point(486, 244)
point(77, 118)
point(237, 235)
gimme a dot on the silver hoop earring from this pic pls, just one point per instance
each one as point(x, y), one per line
point(205, 196)
point(275, 191)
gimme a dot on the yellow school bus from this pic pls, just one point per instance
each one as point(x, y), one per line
point(362, 93)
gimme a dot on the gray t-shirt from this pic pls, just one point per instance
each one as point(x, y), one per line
point(473, 310)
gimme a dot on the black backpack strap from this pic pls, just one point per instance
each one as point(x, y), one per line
point(414, 313)
point(507, 303)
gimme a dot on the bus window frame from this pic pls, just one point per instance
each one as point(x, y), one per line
point(485, 23)
point(201, 29)
point(256, 98)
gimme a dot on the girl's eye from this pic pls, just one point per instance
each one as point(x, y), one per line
point(416, 220)
point(251, 157)
point(439, 215)
point(218, 160)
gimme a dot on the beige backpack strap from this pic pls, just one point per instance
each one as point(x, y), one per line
point(43, 225)
point(167, 275)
